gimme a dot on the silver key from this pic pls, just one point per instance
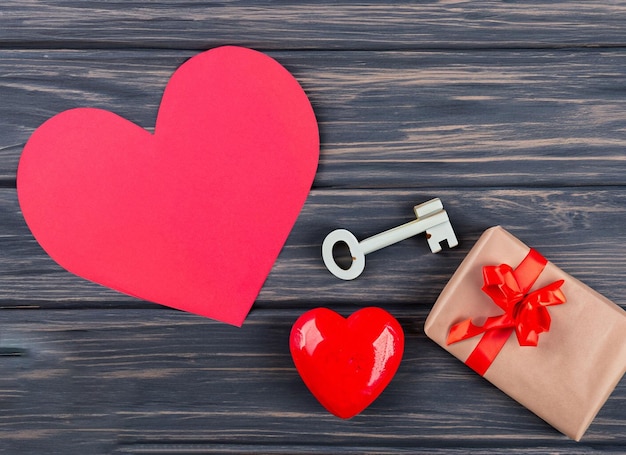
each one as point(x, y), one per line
point(431, 218)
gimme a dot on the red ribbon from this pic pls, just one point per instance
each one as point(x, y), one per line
point(525, 314)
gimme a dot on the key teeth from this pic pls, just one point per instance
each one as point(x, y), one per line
point(438, 234)
point(435, 247)
point(452, 242)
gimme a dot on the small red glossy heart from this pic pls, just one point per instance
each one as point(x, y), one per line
point(346, 363)
point(194, 215)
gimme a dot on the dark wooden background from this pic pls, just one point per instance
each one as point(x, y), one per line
point(511, 113)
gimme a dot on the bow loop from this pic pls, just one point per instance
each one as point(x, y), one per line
point(501, 285)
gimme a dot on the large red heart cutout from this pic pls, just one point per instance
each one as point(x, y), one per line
point(194, 215)
point(346, 363)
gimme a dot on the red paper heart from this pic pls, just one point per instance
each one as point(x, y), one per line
point(346, 363)
point(194, 215)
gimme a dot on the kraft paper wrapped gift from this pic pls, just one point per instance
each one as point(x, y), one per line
point(580, 336)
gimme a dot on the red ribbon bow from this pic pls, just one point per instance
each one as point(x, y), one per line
point(525, 314)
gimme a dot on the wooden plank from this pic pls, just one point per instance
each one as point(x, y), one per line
point(579, 229)
point(160, 380)
point(387, 120)
point(511, 113)
point(310, 24)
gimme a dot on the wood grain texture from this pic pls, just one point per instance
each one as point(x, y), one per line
point(512, 113)
point(396, 119)
point(577, 229)
point(304, 25)
point(158, 380)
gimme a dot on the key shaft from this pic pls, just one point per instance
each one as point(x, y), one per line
point(402, 232)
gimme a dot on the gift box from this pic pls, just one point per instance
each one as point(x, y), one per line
point(541, 336)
